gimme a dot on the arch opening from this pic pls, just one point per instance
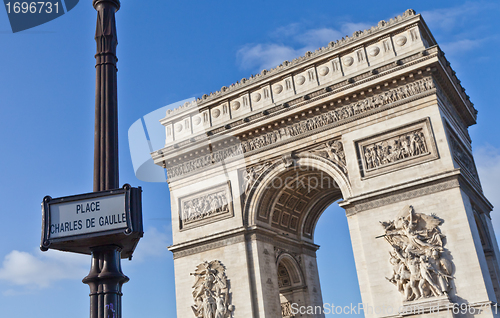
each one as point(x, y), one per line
point(289, 199)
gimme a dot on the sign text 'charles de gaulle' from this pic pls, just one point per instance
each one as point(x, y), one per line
point(77, 223)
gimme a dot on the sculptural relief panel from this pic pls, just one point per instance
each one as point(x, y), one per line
point(211, 291)
point(207, 206)
point(396, 149)
point(421, 264)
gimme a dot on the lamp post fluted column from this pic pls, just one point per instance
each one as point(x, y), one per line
point(106, 100)
point(106, 278)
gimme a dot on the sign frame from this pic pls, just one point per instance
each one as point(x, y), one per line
point(125, 238)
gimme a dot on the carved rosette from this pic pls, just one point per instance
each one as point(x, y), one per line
point(211, 291)
point(421, 264)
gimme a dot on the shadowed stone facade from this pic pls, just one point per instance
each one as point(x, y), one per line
point(378, 120)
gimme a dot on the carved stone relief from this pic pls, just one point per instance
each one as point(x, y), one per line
point(286, 310)
point(421, 264)
point(251, 175)
point(304, 126)
point(333, 151)
point(211, 291)
point(463, 158)
point(394, 149)
point(206, 206)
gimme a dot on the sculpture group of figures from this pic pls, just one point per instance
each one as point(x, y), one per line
point(333, 151)
point(305, 125)
point(204, 206)
point(211, 291)
point(251, 174)
point(286, 310)
point(398, 148)
point(420, 266)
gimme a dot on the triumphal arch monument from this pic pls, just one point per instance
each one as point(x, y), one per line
point(377, 120)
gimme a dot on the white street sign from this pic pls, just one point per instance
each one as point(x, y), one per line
point(87, 216)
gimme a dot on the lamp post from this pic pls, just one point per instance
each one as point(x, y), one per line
point(106, 278)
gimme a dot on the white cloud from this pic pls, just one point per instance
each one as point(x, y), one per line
point(318, 37)
point(461, 46)
point(264, 56)
point(289, 42)
point(41, 270)
point(448, 18)
point(153, 244)
point(349, 28)
point(488, 166)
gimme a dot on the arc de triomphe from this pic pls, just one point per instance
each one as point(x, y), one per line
point(378, 120)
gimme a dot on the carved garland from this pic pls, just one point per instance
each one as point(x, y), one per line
point(304, 126)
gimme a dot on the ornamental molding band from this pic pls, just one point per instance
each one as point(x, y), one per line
point(211, 291)
point(421, 265)
point(306, 127)
point(399, 148)
point(206, 206)
point(405, 194)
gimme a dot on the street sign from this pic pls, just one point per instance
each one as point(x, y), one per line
point(80, 222)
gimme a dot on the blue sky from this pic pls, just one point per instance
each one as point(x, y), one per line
point(169, 51)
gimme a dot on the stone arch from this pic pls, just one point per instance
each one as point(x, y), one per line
point(260, 199)
point(293, 268)
point(291, 283)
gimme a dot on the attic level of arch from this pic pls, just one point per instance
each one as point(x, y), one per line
point(295, 111)
point(205, 113)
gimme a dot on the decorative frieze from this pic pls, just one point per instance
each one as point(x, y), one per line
point(421, 265)
point(464, 158)
point(206, 206)
point(211, 291)
point(402, 196)
point(396, 149)
point(297, 129)
point(404, 146)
